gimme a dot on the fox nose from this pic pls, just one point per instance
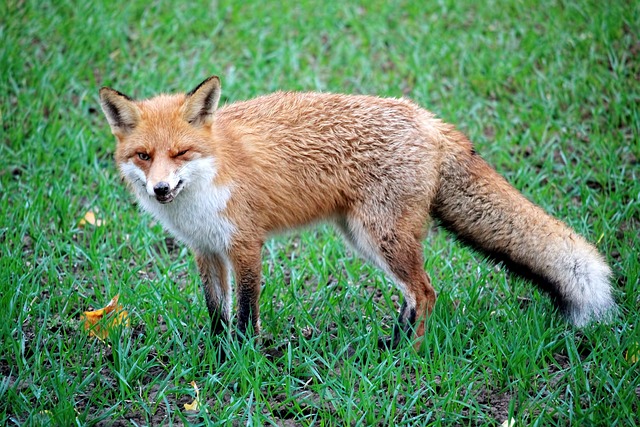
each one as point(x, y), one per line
point(162, 188)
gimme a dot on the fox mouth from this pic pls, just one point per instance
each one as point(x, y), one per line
point(168, 198)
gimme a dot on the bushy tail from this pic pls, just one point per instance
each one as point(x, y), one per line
point(486, 212)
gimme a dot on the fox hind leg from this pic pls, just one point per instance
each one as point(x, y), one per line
point(405, 261)
point(396, 249)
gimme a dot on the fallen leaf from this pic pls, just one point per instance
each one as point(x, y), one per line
point(633, 352)
point(509, 422)
point(99, 322)
point(193, 406)
point(90, 218)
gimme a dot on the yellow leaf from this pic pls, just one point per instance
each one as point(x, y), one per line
point(90, 218)
point(633, 352)
point(113, 316)
point(193, 406)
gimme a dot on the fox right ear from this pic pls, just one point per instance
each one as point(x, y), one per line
point(122, 113)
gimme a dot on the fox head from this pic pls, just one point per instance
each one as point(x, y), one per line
point(163, 142)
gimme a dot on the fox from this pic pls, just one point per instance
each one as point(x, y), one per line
point(223, 180)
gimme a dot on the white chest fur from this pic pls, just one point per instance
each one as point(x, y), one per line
point(195, 216)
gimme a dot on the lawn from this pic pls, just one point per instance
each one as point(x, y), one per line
point(549, 93)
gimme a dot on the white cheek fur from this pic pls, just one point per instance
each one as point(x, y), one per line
point(134, 176)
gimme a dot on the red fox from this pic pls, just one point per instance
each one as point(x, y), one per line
point(223, 180)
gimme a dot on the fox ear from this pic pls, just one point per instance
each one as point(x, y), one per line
point(202, 101)
point(122, 113)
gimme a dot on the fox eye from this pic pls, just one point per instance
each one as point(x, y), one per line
point(144, 156)
point(182, 153)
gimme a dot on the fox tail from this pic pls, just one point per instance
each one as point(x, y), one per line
point(487, 213)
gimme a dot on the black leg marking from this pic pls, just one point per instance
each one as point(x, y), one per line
point(403, 327)
point(218, 322)
point(213, 275)
point(219, 318)
point(248, 303)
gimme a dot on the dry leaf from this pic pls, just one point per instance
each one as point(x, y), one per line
point(509, 422)
point(193, 406)
point(633, 352)
point(113, 315)
point(90, 218)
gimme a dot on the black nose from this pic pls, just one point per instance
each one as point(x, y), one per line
point(161, 188)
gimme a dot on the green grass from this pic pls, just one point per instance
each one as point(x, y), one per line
point(549, 93)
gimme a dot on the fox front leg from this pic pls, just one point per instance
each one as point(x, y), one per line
point(215, 283)
point(247, 266)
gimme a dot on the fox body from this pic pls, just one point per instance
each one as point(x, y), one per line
point(222, 180)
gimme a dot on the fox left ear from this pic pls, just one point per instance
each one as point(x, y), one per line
point(202, 101)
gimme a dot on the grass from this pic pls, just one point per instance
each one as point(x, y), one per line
point(547, 90)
